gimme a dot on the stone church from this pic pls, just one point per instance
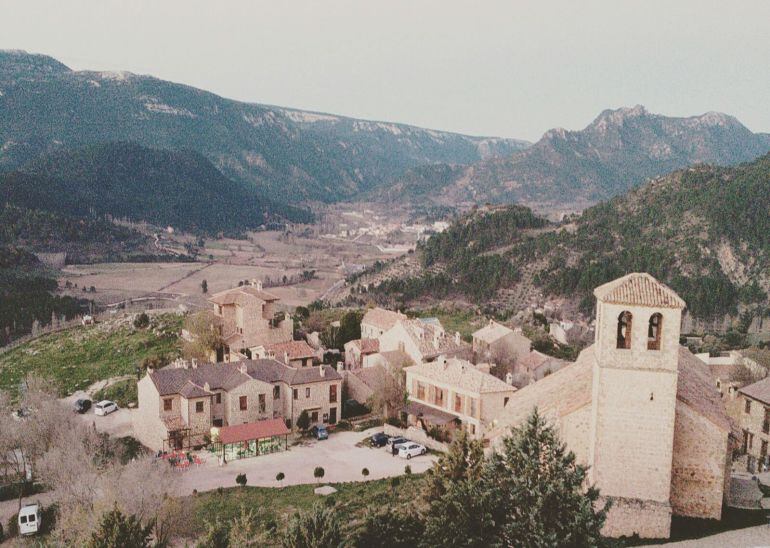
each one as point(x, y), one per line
point(640, 410)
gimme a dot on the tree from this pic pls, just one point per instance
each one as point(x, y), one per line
point(204, 334)
point(303, 421)
point(392, 393)
point(204, 286)
point(365, 472)
point(279, 477)
point(142, 321)
point(318, 473)
point(116, 529)
point(407, 470)
point(537, 491)
point(390, 528)
point(463, 461)
point(318, 528)
point(240, 479)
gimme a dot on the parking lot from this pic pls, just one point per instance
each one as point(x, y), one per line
point(339, 456)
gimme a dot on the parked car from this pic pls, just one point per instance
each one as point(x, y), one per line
point(29, 519)
point(396, 441)
point(82, 405)
point(105, 407)
point(320, 432)
point(380, 439)
point(409, 450)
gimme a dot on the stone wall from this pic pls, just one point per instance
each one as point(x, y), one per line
point(628, 517)
point(148, 427)
point(753, 422)
point(252, 390)
point(698, 470)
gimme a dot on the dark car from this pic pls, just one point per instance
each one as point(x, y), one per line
point(320, 432)
point(82, 406)
point(380, 439)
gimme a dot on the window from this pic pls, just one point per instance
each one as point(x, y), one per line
point(218, 398)
point(458, 403)
point(473, 429)
point(296, 394)
point(242, 402)
point(199, 407)
point(472, 406)
point(766, 423)
point(333, 393)
point(653, 331)
point(314, 417)
point(763, 449)
point(167, 403)
point(624, 330)
point(505, 401)
point(747, 407)
point(262, 405)
point(307, 392)
point(439, 397)
point(420, 391)
point(276, 392)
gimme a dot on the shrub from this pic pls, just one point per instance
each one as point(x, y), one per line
point(142, 321)
point(365, 472)
point(240, 479)
point(303, 421)
point(408, 470)
point(318, 473)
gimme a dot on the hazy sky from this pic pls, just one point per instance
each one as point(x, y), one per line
point(507, 68)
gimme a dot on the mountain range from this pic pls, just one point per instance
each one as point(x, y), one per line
point(566, 171)
point(287, 154)
point(704, 230)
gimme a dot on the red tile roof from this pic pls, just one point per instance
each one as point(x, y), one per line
point(253, 431)
point(639, 289)
point(295, 349)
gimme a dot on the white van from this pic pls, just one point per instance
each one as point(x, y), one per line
point(29, 519)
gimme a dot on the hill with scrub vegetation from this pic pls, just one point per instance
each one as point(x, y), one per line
point(704, 230)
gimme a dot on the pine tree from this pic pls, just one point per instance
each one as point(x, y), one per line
point(538, 492)
point(463, 461)
point(117, 529)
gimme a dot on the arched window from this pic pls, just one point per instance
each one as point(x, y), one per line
point(653, 331)
point(624, 329)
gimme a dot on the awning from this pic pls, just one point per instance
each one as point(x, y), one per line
point(253, 431)
point(433, 416)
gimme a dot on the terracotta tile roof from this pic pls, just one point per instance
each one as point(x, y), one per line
point(265, 338)
point(396, 358)
point(639, 289)
point(367, 346)
point(174, 423)
point(492, 332)
point(253, 431)
point(381, 318)
point(190, 390)
point(432, 340)
point(295, 349)
point(696, 387)
point(759, 391)
point(226, 376)
point(535, 360)
point(373, 377)
point(460, 374)
point(241, 295)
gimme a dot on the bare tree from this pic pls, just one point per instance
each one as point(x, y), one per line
point(205, 335)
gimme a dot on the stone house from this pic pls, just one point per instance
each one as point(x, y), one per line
point(752, 413)
point(536, 365)
point(498, 343)
point(640, 410)
point(357, 350)
point(377, 321)
point(246, 318)
point(423, 341)
point(450, 392)
point(179, 404)
point(293, 353)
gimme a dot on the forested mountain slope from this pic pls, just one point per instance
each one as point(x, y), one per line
point(703, 230)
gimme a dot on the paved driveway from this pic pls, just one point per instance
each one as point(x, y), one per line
point(117, 424)
point(340, 458)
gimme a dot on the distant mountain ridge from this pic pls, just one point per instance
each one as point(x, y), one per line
point(178, 188)
point(569, 170)
point(291, 155)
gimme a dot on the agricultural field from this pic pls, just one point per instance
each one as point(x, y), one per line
point(76, 358)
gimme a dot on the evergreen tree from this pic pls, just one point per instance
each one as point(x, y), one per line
point(463, 461)
point(537, 491)
point(116, 529)
point(390, 528)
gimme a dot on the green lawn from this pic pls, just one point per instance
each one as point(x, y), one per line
point(351, 501)
point(76, 358)
point(122, 393)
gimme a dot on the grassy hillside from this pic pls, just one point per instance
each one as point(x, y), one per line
point(126, 180)
point(703, 230)
point(76, 358)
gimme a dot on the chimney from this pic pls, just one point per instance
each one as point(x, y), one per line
point(457, 337)
point(321, 370)
point(242, 368)
point(509, 378)
point(207, 387)
point(340, 366)
point(286, 358)
point(257, 283)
